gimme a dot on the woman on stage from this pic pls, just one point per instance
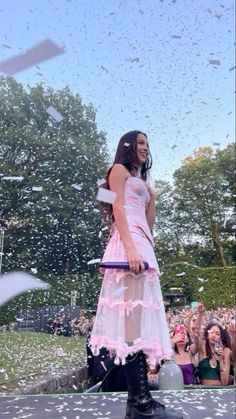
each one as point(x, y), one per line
point(130, 320)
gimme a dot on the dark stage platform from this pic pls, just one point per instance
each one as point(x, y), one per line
point(194, 404)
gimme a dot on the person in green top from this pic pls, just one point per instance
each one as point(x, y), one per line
point(214, 355)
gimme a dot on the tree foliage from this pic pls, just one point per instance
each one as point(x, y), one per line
point(196, 219)
point(215, 286)
point(56, 229)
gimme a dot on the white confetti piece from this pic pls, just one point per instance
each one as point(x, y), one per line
point(18, 178)
point(181, 274)
point(46, 94)
point(214, 62)
point(201, 289)
point(101, 182)
point(41, 52)
point(103, 365)
point(93, 261)
point(15, 283)
point(54, 113)
point(105, 195)
point(19, 319)
point(76, 186)
point(37, 188)
point(119, 291)
point(126, 144)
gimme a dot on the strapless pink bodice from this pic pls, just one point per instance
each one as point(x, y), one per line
point(136, 199)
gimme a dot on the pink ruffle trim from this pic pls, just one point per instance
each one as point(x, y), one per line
point(129, 305)
point(151, 348)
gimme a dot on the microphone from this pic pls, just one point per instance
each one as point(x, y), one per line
point(119, 265)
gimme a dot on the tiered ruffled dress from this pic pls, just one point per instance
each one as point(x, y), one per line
point(130, 314)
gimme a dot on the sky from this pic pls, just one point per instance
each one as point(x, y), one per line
point(143, 64)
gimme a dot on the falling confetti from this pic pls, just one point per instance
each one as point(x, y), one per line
point(15, 283)
point(41, 52)
point(105, 195)
point(54, 113)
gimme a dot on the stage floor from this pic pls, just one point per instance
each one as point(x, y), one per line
point(193, 404)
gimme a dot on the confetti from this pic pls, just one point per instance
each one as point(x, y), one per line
point(93, 261)
point(214, 62)
point(105, 195)
point(41, 52)
point(77, 187)
point(119, 291)
point(15, 283)
point(54, 113)
point(37, 188)
point(18, 178)
point(101, 182)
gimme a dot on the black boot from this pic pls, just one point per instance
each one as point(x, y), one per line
point(128, 406)
point(140, 404)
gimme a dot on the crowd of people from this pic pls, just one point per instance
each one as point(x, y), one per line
point(69, 327)
point(203, 343)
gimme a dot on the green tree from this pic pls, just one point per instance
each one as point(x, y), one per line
point(169, 229)
point(56, 229)
point(203, 192)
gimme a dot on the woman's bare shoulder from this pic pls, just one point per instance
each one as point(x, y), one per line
point(227, 351)
point(119, 170)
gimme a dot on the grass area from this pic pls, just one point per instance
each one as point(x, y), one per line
point(27, 356)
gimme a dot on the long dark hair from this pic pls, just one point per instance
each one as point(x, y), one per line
point(125, 154)
point(224, 336)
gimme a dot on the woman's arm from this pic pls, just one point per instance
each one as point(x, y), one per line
point(199, 319)
point(150, 211)
point(188, 321)
point(117, 179)
point(224, 358)
point(198, 344)
point(195, 347)
point(232, 333)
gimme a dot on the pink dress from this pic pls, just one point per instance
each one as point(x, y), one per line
point(130, 314)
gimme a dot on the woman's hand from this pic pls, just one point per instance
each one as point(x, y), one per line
point(190, 314)
point(219, 351)
point(136, 264)
point(200, 308)
point(178, 338)
point(219, 354)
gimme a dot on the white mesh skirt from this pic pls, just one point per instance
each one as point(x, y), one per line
point(130, 315)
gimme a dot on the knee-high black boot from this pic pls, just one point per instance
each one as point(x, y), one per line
point(140, 404)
